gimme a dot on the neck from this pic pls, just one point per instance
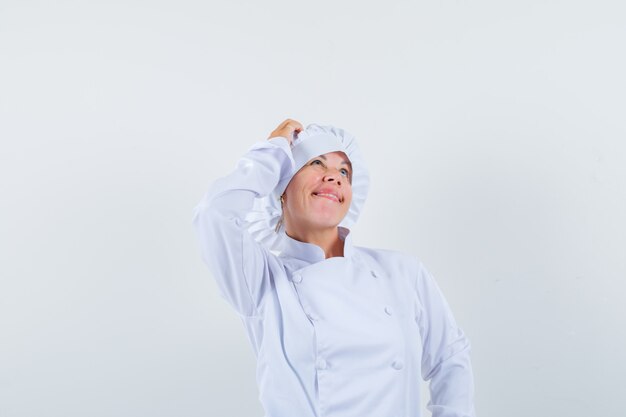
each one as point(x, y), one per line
point(328, 239)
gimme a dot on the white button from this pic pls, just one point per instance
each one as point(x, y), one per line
point(397, 364)
point(388, 310)
point(373, 273)
point(297, 278)
point(321, 363)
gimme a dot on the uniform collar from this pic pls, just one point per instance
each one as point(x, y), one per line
point(311, 252)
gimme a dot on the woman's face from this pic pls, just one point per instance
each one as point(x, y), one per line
point(319, 194)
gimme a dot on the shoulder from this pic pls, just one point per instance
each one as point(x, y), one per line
point(391, 260)
point(387, 254)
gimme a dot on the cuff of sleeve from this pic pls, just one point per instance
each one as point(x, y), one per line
point(283, 143)
point(278, 142)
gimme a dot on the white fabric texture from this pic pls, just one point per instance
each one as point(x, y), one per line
point(345, 336)
point(313, 141)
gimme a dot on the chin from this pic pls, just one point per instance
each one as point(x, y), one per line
point(325, 223)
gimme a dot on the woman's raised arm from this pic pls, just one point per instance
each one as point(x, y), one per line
point(237, 261)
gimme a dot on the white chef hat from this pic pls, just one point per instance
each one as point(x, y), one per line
point(313, 141)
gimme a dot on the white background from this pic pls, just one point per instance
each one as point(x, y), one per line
point(494, 133)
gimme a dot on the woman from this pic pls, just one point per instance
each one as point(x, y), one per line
point(338, 330)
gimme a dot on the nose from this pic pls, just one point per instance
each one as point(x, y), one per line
point(333, 176)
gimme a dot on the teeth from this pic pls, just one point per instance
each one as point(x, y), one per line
point(329, 195)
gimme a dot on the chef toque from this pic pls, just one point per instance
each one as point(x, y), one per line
point(313, 141)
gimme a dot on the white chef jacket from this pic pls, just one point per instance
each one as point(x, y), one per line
point(339, 337)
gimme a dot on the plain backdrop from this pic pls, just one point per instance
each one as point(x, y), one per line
point(495, 137)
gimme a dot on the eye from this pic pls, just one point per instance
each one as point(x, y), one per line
point(345, 171)
point(316, 160)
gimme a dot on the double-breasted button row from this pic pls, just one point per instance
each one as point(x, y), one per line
point(321, 364)
point(297, 277)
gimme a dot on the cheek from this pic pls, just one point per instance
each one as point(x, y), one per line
point(348, 200)
point(297, 188)
point(348, 192)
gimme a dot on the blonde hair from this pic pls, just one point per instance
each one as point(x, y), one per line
point(282, 215)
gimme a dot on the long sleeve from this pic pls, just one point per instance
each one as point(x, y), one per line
point(238, 263)
point(446, 353)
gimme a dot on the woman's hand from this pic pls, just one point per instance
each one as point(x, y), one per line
point(286, 129)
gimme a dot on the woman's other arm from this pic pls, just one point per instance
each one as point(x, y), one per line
point(446, 352)
point(237, 262)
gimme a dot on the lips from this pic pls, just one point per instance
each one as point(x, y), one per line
point(329, 194)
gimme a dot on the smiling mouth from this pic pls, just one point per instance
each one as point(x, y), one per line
point(328, 196)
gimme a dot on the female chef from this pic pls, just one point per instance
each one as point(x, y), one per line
point(338, 330)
